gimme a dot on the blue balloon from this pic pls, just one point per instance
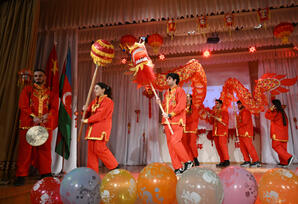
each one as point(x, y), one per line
point(80, 186)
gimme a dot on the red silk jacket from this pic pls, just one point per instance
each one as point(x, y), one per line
point(99, 114)
point(192, 120)
point(244, 123)
point(218, 128)
point(278, 131)
point(174, 103)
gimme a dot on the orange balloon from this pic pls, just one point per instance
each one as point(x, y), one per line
point(157, 184)
point(278, 186)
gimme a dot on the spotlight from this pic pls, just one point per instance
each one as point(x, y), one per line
point(161, 57)
point(123, 61)
point(252, 49)
point(206, 53)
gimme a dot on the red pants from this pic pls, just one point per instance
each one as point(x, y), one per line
point(189, 141)
point(221, 144)
point(247, 148)
point(281, 150)
point(97, 149)
point(177, 150)
point(27, 155)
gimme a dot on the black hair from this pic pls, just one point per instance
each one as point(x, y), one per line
point(239, 102)
point(279, 108)
point(190, 106)
point(40, 70)
point(219, 101)
point(174, 76)
point(108, 90)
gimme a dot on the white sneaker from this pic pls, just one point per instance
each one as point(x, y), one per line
point(188, 165)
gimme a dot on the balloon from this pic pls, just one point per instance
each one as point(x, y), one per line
point(199, 185)
point(239, 185)
point(45, 191)
point(118, 187)
point(80, 186)
point(157, 184)
point(278, 186)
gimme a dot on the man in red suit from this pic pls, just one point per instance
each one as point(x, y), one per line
point(220, 120)
point(174, 105)
point(190, 131)
point(279, 132)
point(245, 131)
point(37, 108)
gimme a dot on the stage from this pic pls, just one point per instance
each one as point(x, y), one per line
point(10, 194)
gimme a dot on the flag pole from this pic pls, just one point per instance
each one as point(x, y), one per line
point(161, 108)
point(87, 101)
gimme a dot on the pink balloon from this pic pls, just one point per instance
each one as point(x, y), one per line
point(239, 185)
point(46, 191)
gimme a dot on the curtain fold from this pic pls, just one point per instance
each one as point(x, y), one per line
point(18, 28)
point(288, 67)
point(63, 40)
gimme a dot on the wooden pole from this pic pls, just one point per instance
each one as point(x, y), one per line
point(87, 101)
point(160, 106)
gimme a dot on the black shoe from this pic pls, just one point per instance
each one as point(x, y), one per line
point(188, 165)
point(196, 161)
point(45, 175)
point(290, 161)
point(226, 163)
point(245, 164)
point(256, 164)
point(179, 172)
point(20, 181)
point(220, 164)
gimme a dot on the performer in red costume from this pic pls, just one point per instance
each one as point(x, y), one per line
point(245, 131)
point(174, 104)
point(99, 120)
point(190, 131)
point(37, 108)
point(220, 120)
point(279, 132)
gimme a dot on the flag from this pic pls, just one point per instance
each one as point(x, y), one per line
point(52, 73)
point(65, 110)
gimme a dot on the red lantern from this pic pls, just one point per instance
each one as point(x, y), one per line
point(283, 31)
point(25, 77)
point(263, 14)
point(155, 41)
point(229, 19)
point(202, 21)
point(138, 114)
point(149, 94)
point(171, 28)
point(127, 41)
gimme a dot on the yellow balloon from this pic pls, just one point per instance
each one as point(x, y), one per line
point(118, 187)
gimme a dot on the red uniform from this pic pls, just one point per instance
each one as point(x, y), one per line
point(279, 135)
point(174, 103)
point(35, 101)
point(99, 114)
point(190, 131)
point(245, 131)
point(220, 133)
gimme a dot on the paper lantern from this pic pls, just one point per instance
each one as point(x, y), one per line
point(102, 52)
point(171, 28)
point(283, 31)
point(264, 14)
point(155, 41)
point(127, 41)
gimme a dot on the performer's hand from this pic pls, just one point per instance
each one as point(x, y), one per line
point(85, 107)
point(158, 101)
point(44, 118)
point(165, 115)
point(84, 120)
point(36, 120)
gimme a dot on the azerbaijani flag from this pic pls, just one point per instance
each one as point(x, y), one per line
point(65, 110)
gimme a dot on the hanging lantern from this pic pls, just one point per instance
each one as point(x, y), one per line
point(283, 31)
point(149, 94)
point(171, 28)
point(229, 21)
point(202, 24)
point(24, 77)
point(155, 41)
point(264, 14)
point(127, 41)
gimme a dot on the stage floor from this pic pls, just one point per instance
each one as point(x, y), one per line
point(10, 194)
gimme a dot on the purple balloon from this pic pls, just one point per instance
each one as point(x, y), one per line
point(239, 185)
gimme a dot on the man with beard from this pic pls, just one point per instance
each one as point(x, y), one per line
point(37, 108)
